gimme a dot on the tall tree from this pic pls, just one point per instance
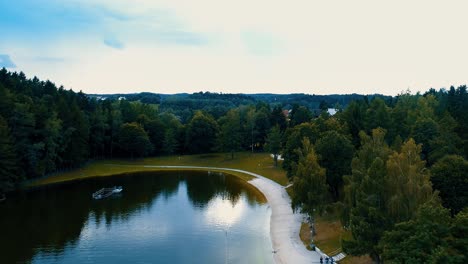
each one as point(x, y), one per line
point(335, 153)
point(262, 126)
point(294, 137)
point(427, 238)
point(230, 132)
point(450, 178)
point(9, 176)
point(156, 133)
point(408, 182)
point(273, 143)
point(134, 140)
point(310, 187)
point(365, 196)
point(277, 118)
point(355, 116)
point(201, 133)
point(299, 115)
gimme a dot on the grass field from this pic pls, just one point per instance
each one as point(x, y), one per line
point(260, 163)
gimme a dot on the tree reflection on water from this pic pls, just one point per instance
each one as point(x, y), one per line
point(49, 219)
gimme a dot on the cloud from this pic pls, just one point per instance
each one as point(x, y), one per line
point(6, 62)
point(261, 43)
point(49, 59)
point(114, 43)
point(180, 38)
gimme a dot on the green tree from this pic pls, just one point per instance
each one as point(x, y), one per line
point(294, 137)
point(310, 187)
point(134, 140)
point(277, 118)
point(354, 116)
point(407, 182)
point(335, 153)
point(378, 115)
point(230, 132)
point(201, 133)
point(52, 140)
point(365, 211)
point(9, 176)
point(299, 115)
point(432, 236)
point(262, 126)
point(450, 178)
point(21, 124)
point(156, 133)
point(273, 143)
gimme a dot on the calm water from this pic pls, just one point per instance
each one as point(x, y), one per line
point(170, 217)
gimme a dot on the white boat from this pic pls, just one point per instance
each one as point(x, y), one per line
point(106, 192)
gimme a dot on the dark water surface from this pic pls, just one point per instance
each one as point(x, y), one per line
point(163, 217)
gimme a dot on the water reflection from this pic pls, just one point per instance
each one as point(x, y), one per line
point(224, 212)
point(52, 222)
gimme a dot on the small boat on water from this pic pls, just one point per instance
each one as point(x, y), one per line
point(106, 192)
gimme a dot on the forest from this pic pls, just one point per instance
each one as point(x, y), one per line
point(395, 167)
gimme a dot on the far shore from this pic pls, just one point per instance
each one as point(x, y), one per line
point(259, 163)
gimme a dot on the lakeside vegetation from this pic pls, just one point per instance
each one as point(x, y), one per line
point(393, 168)
point(260, 163)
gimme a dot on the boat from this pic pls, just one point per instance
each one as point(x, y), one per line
point(106, 192)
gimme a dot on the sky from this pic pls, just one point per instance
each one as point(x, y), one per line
point(242, 46)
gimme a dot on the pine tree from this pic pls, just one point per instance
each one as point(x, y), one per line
point(9, 175)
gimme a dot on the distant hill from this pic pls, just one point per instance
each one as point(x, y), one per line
point(202, 100)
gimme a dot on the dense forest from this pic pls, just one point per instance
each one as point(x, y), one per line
point(395, 167)
point(218, 104)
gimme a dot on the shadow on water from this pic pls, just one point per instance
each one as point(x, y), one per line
point(50, 219)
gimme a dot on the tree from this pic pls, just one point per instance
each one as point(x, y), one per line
point(201, 133)
point(450, 178)
point(262, 126)
point(77, 149)
point(156, 133)
point(294, 137)
point(408, 182)
point(365, 210)
point(230, 136)
point(273, 143)
point(134, 140)
point(310, 187)
point(378, 115)
point(335, 153)
point(299, 115)
point(277, 118)
point(9, 176)
point(432, 236)
point(355, 116)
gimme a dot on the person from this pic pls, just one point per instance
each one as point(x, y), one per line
point(321, 259)
point(326, 259)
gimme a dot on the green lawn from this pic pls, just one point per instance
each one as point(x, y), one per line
point(260, 163)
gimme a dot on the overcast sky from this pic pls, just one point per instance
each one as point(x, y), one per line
point(241, 46)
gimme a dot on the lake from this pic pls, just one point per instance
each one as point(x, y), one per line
point(160, 217)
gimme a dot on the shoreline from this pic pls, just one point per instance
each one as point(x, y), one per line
point(284, 223)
